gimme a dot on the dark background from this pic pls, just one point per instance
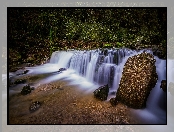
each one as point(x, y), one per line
point(34, 33)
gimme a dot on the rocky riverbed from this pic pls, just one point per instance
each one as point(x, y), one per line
point(61, 103)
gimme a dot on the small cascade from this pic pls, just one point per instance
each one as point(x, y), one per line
point(91, 67)
point(97, 66)
point(61, 58)
point(105, 74)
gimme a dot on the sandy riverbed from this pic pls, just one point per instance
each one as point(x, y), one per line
point(62, 103)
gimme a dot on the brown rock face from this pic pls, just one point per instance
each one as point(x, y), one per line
point(138, 78)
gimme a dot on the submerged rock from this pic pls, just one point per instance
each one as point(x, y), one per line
point(138, 78)
point(21, 72)
point(62, 69)
point(34, 106)
point(26, 90)
point(163, 85)
point(26, 71)
point(102, 92)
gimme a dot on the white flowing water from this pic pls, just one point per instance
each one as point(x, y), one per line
point(91, 69)
point(155, 111)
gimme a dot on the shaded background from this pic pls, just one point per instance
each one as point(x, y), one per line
point(34, 33)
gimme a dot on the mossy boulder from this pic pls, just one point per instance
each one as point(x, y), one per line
point(102, 92)
point(138, 78)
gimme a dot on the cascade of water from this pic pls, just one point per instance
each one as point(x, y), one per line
point(95, 65)
point(106, 68)
point(102, 67)
point(160, 96)
point(61, 58)
point(92, 66)
point(105, 74)
point(79, 62)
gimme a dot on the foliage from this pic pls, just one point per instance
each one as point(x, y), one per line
point(127, 27)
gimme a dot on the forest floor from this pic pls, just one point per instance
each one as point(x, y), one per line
point(62, 103)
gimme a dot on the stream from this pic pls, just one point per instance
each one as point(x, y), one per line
point(93, 68)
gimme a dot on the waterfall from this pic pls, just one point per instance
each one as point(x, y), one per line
point(97, 66)
point(61, 58)
point(93, 68)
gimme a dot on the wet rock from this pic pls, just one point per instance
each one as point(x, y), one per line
point(163, 85)
point(34, 106)
point(138, 78)
point(21, 72)
point(32, 88)
point(26, 71)
point(105, 52)
point(19, 81)
point(26, 90)
point(113, 101)
point(62, 69)
point(102, 92)
point(171, 88)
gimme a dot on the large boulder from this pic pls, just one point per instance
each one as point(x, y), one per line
point(102, 92)
point(138, 78)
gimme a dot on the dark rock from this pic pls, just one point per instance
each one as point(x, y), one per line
point(105, 52)
point(138, 78)
point(163, 85)
point(171, 88)
point(32, 88)
point(102, 92)
point(62, 69)
point(34, 106)
point(26, 90)
point(21, 72)
point(19, 81)
point(113, 101)
point(26, 71)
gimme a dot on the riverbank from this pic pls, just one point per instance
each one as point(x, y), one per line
point(62, 103)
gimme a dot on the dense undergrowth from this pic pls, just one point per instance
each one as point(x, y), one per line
point(34, 33)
